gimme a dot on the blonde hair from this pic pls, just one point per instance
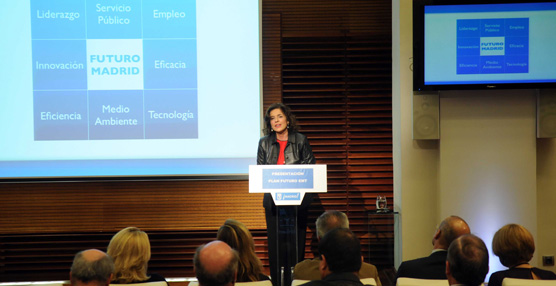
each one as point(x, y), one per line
point(131, 250)
point(238, 237)
point(513, 244)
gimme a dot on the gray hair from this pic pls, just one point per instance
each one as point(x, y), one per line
point(330, 220)
point(85, 271)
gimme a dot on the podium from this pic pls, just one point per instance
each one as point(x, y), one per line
point(287, 184)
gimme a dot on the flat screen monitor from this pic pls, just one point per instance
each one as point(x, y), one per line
point(484, 44)
point(129, 89)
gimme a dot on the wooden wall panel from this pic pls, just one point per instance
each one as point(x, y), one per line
point(339, 87)
point(332, 16)
point(109, 206)
point(272, 61)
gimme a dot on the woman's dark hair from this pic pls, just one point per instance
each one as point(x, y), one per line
point(292, 127)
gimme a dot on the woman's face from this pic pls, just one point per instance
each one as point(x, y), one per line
point(278, 120)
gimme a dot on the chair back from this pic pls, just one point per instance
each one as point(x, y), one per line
point(368, 281)
point(404, 281)
point(297, 282)
point(157, 283)
point(37, 283)
point(365, 281)
point(256, 283)
point(527, 282)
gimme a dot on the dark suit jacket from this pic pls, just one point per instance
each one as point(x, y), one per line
point(308, 269)
point(153, 278)
point(430, 267)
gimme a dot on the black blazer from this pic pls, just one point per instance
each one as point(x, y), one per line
point(430, 267)
point(298, 150)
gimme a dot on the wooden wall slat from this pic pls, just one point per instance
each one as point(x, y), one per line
point(272, 63)
point(108, 206)
point(357, 116)
point(329, 17)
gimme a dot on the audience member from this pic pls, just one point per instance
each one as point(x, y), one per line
point(434, 265)
point(309, 268)
point(514, 245)
point(340, 253)
point(91, 268)
point(131, 250)
point(238, 237)
point(216, 264)
point(467, 261)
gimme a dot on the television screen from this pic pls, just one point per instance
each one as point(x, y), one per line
point(493, 44)
point(129, 88)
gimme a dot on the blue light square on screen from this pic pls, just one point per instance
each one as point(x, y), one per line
point(517, 64)
point(60, 19)
point(169, 19)
point(59, 64)
point(468, 46)
point(115, 114)
point(492, 27)
point(170, 63)
point(171, 114)
point(469, 65)
point(517, 46)
point(60, 115)
point(517, 27)
point(114, 19)
point(492, 64)
point(469, 28)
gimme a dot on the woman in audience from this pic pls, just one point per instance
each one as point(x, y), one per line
point(238, 237)
point(514, 245)
point(131, 250)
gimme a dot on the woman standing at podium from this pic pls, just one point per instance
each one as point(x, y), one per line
point(283, 145)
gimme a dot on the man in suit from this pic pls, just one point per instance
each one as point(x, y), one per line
point(215, 264)
point(340, 253)
point(309, 268)
point(434, 265)
point(467, 261)
point(91, 268)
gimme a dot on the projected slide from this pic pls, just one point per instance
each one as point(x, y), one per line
point(129, 88)
point(127, 70)
point(493, 46)
point(489, 43)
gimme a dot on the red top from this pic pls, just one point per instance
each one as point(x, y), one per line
point(281, 158)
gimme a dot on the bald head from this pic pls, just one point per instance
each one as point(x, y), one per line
point(215, 256)
point(93, 254)
point(91, 267)
point(215, 264)
point(450, 228)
